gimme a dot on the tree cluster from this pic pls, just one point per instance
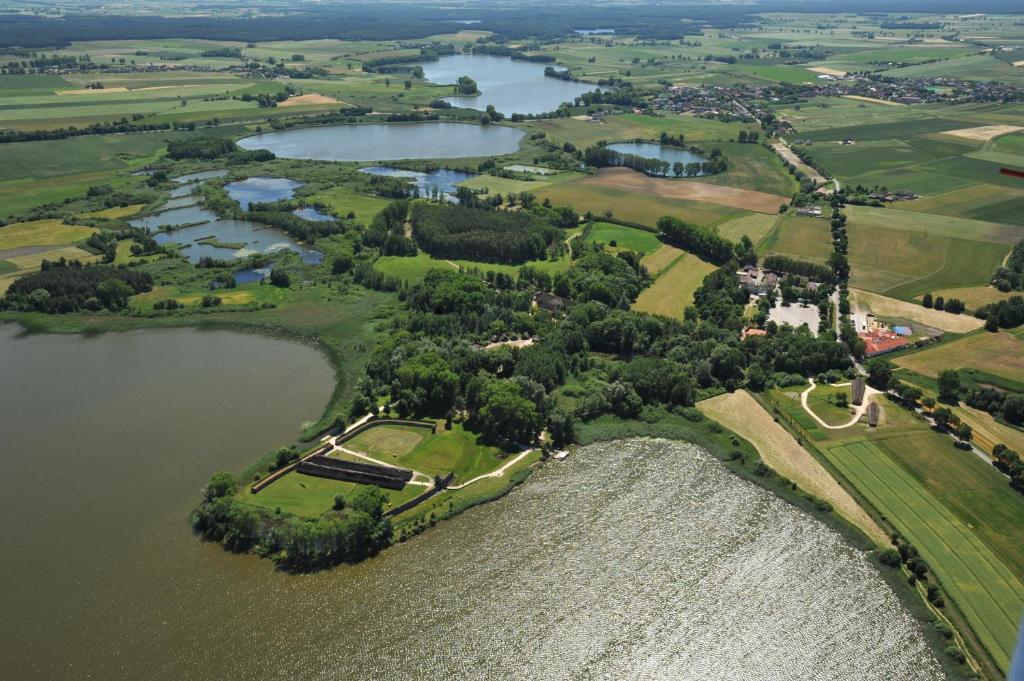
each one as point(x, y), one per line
point(69, 286)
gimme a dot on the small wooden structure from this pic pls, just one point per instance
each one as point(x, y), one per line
point(354, 471)
point(873, 413)
point(858, 390)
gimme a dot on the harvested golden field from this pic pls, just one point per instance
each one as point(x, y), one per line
point(884, 306)
point(742, 414)
point(312, 98)
point(1001, 354)
point(115, 212)
point(983, 133)
point(873, 100)
point(629, 180)
point(659, 259)
point(41, 233)
point(672, 291)
point(824, 70)
point(988, 432)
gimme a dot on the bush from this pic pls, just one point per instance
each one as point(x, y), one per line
point(889, 557)
point(280, 278)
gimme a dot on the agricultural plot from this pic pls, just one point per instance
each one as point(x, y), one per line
point(753, 167)
point(985, 202)
point(975, 296)
point(988, 593)
point(637, 200)
point(988, 432)
point(1000, 354)
point(742, 414)
point(661, 259)
point(983, 67)
point(756, 227)
point(488, 184)
point(798, 237)
point(633, 126)
point(24, 245)
point(904, 254)
point(672, 292)
point(412, 268)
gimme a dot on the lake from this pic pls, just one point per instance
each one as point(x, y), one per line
point(633, 559)
point(659, 151)
point(511, 86)
point(388, 141)
point(442, 179)
point(261, 190)
point(106, 444)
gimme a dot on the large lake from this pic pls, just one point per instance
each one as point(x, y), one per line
point(388, 141)
point(636, 559)
point(511, 86)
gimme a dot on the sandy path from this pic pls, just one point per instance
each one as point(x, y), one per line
point(785, 152)
point(629, 180)
point(869, 392)
point(742, 414)
point(496, 473)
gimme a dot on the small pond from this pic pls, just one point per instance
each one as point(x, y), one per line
point(312, 214)
point(388, 141)
point(442, 179)
point(261, 190)
point(594, 31)
point(659, 151)
point(511, 86)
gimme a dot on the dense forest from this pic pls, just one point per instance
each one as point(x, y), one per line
point(453, 231)
point(69, 286)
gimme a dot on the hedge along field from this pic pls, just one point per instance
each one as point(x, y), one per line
point(672, 292)
point(989, 595)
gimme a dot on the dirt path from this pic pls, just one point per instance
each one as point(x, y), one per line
point(789, 155)
point(632, 181)
point(869, 392)
point(496, 473)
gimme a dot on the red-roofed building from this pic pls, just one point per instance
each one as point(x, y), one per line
point(747, 333)
point(878, 342)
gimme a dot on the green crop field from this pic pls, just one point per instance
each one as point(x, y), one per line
point(974, 67)
point(625, 238)
point(1001, 354)
point(979, 202)
point(756, 227)
point(798, 237)
point(413, 268)
point(672, 292)
point(990, 596)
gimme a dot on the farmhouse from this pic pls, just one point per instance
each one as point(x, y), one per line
point(810, 211)
point(549, 302)
point(758, 281)
point(879, 341)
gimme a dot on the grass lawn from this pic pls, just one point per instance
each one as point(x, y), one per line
point(883, 306)
point(989, 594)
point(672, 292)
point(822, 401)
point(505, 185)
point(342, 200)
point(387, 442)
point(625, 238)
point(413, 268)
point(309, 496)
point(1001, 354)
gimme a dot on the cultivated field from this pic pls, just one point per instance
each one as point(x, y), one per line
point(756, 227)
point(672, 292)
point(741, 413)
point(990, 596)
point(638, 183)
point(975, 296)
point(624, 238)
point(798, 237)
point(1001, 354)
point(883, 306)
point(663, 257)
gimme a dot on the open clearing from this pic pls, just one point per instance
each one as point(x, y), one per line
point(41, 233)
point(824, 70)
point(884, 306)
point(387, 441)
point(672, 291)
point(798, 237)
point(1001, 354)
point(984, 133)
point(631, 181)
point(990, 596)
point(742, 414)
point(756, 227)
point(624, 238)
point(976, 296)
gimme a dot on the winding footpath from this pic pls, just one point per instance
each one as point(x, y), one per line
point(869, 392)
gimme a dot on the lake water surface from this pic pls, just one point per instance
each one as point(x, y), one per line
point(510, 86)
point(636, 559)
point(388, 141)
point(659, 151)
point(443, 180)
point(261, 190)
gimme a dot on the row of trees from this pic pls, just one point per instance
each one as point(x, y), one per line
point(953, 305)
point(1010, 276)
point(700, 241)
point(600, 156)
